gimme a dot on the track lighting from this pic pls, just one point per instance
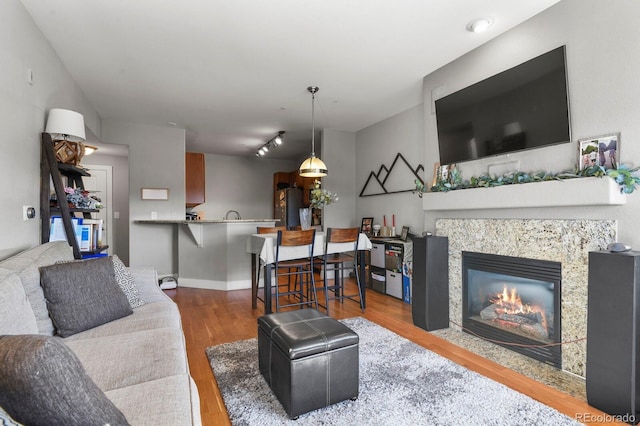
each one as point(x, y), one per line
point(271, 143)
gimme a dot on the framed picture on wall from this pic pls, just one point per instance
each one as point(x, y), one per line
point(367, 223)
point(599, 151)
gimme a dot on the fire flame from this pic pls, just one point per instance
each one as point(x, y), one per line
point(511, 303)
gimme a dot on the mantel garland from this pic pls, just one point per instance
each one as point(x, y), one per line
point(625, 176)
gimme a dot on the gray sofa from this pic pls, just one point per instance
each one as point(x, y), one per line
point(138, 361)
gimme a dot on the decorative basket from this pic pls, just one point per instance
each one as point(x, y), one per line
point(68, 152)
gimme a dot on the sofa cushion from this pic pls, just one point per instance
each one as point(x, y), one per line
point(83, 295)
point(26, 265)
point(146, 279)
point(126, 283)
point(147, 317)
point(43, 382)
point(128, 359)
point(16, 315)
point(175, 402)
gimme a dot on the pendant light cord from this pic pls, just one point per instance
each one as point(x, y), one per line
point(313, 90)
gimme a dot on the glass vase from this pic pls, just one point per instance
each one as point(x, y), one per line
point(305, 218)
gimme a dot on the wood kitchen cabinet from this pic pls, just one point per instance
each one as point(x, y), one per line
point(194, 179)
point(290, 179)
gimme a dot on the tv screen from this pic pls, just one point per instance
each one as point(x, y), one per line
point(521, 108)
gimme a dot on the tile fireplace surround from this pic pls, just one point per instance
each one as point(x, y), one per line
point(566, 241)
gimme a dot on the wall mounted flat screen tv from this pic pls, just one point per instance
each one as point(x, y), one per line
point(521, 108)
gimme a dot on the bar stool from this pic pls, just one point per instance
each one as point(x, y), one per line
point(300, 244)
point(339, 263)
point(264, 230)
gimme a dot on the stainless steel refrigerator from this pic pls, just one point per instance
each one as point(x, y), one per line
point(288, 204)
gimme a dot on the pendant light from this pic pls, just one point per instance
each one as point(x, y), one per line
point(313, 166)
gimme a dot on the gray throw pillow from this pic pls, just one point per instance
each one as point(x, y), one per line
point(83, 295)
point(126, 282)
point(42, 382)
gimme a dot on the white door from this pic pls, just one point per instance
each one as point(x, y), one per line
point(101, 181)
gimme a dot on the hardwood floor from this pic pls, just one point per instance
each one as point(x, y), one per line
point(212, 317)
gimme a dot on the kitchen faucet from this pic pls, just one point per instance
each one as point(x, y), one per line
point(226, 216)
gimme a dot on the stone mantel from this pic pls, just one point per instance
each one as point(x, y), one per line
point(591, 191)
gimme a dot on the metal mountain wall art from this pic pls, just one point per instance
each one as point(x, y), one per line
point(399, 177)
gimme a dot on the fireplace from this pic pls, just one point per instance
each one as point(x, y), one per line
point(513, 302)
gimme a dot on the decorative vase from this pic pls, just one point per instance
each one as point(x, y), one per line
point(305, 218)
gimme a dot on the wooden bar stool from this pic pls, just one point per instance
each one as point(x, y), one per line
point(263, 230)
point(301, 267)
point(339, 263)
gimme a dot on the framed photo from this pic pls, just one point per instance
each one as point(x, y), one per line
point(443, 173)
point(436, 173)
point(599, 151)
point(154, 193)
point(367, 223)
point(405, 233)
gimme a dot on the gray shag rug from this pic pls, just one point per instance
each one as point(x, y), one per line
point(401, 383)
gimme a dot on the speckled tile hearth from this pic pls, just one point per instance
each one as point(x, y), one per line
point(563, 381)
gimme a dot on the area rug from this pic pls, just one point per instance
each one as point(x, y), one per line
point(401, 383)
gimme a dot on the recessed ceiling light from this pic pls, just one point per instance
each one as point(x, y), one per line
point(479, 25)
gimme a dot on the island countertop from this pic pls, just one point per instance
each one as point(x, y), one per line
point(205, 221)
point(218, 260)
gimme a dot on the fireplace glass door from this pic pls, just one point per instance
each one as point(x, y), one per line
point(514, 302)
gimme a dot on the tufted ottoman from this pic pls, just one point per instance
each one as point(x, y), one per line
point(309, 359)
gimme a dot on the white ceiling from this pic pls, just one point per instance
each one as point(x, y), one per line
point(233, 73)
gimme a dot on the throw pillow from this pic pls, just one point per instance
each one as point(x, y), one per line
point(43, 382)
point(83, 295)
point(126, 282)
point(16, 314)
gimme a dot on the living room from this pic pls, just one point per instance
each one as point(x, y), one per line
point(601, 63)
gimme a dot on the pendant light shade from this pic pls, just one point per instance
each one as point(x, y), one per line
point(313, 166)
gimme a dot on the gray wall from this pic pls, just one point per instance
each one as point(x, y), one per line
point(603, 64)
point(339, 154)
point(23, 111)
point(377, 145)
point(156, 160)
point(244, 184)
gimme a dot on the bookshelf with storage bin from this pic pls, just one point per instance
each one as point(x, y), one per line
point(53, 171)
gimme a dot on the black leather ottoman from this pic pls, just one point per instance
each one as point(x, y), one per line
point(309, 359)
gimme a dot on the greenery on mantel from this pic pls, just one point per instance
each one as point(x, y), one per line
point(626, 177)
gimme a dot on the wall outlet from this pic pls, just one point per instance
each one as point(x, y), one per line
point(154, 215)
point(116, 215)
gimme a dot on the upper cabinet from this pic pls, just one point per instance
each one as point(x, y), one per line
point(293, 179)
point(194, 178)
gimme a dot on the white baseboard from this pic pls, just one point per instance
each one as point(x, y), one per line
point(214, 285)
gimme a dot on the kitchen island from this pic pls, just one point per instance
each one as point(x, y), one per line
point(212, 253)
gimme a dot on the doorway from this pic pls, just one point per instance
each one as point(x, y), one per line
point(100, 183)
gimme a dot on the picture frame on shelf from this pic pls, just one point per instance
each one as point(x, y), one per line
point(405, 233)
point(436, 167)
point(366, 226)
point(599, 151)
